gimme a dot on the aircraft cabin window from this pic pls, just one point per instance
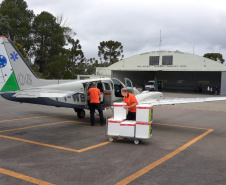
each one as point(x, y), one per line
point(107, 86)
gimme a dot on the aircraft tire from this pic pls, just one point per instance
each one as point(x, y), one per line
point(81, 113)
point(136, 141)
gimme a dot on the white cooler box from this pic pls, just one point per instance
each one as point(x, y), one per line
point(127, 128)
point(119, 111)
point(101, 97)
point(143, 130)
point(144, 113)
point(114, 127)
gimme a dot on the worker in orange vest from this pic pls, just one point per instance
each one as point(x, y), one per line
point(95, 97)
point(131, 102)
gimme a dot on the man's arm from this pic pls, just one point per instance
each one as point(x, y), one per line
point(131, 106)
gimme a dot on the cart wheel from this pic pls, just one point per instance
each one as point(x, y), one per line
point(111, 139)
point(136, 141)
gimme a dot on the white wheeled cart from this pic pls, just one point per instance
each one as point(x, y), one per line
point(128, 130)
point(135, 139)
point(138, 130)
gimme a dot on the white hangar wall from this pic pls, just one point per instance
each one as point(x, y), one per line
point(179, 71)
point(223, 84)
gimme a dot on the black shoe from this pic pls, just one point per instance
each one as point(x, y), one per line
point(92, 125)
point(101, 124)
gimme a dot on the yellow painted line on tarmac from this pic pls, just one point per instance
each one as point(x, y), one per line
point(39, 126)
point(94, 146)
point(162, 160)
point(48, 145)
point(23, 177)
point(38, 143)
point(33, 117)
point(54, 146)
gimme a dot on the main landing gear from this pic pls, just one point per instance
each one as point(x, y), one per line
point(80, 113)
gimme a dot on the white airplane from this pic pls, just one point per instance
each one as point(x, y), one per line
point(19, 83)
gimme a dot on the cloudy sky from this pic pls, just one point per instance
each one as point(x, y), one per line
point(184, 24)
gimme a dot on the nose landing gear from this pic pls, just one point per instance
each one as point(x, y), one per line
point(80, 113)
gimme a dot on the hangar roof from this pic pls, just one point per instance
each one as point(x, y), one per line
point(164, 61)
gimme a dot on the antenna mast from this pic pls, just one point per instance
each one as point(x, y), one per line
point(160, 41)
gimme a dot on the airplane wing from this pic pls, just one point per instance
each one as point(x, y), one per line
point(172, 101)
point(48, 93)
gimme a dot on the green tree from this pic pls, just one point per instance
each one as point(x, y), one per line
point(214, 56)
point(68, 32)
point(76, 57)
point(22, 51)
point(20, 18)
point(76, 53)
point(36, 70)
point(4, 25)
point(48, 40)
point(90, 66)
point(110, 51)
point(57, 68)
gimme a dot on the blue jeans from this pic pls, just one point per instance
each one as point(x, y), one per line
point(92, 107)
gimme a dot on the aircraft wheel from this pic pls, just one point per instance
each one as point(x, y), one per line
point(136, 141)
point(81, 113)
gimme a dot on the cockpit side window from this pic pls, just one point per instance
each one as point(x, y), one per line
point(107, 86)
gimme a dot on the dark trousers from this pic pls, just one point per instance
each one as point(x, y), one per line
point(131, 116)
point(92, 107)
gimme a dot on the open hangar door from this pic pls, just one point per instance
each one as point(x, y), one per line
point(187, 81)
point(184, 81)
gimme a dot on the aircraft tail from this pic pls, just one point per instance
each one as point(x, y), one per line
point(15, 73)
point(8, 80)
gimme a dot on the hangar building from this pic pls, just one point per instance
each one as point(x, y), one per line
point(177, 71)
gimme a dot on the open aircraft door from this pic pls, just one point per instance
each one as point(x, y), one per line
point(86, 88)
point(129, 84)
point(107, 94)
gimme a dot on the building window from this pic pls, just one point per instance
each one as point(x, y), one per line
point(167, 60)
point(154, 60)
